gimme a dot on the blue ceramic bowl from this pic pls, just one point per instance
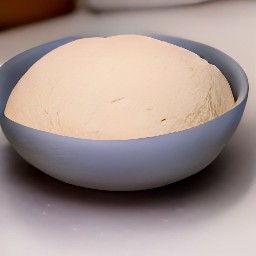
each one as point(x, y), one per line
point(126, 164)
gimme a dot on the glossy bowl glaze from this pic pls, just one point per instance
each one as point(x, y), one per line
point(124, 165)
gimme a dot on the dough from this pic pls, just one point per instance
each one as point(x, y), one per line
point(118, 88)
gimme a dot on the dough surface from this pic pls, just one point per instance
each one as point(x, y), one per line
point(118, 88)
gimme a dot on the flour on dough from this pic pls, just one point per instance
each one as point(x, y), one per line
point(118, 88)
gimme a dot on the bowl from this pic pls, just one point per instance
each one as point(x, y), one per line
point(124, 165)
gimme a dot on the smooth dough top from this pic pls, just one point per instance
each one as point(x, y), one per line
point(118, 88)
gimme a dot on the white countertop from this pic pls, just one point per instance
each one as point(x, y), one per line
point(212, 213)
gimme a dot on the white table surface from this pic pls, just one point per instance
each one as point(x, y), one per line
point(212, 213)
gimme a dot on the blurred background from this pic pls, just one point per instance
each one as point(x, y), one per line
point(19, 12)
point(222, 23)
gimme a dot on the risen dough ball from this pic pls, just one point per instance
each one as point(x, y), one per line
point(118, 88)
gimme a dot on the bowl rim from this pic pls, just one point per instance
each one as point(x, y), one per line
point(242, 96)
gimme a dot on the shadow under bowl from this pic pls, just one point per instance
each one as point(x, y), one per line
point(124, 165)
